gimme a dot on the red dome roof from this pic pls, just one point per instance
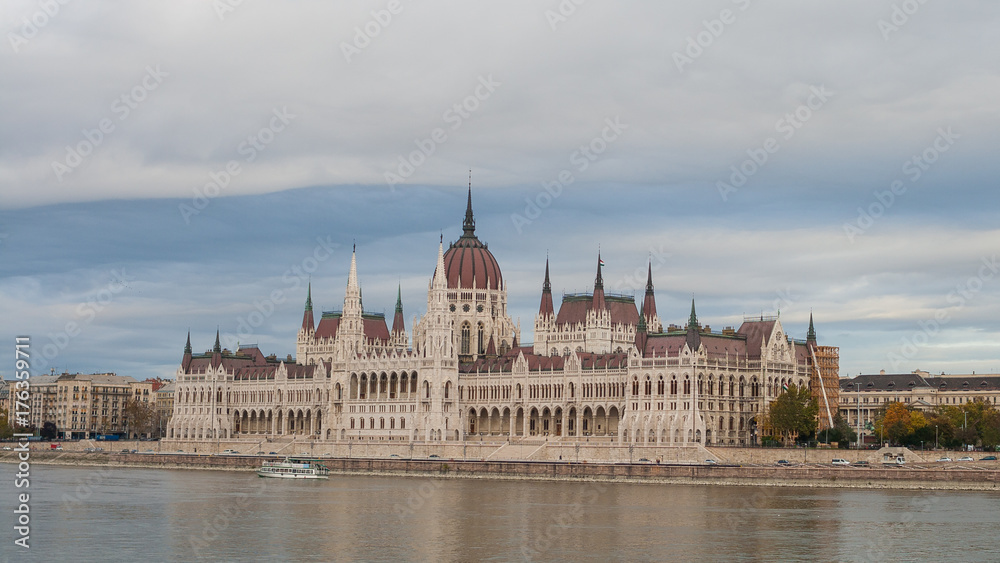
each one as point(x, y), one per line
point(468, 263)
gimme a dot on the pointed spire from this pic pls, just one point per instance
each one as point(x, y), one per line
point(693, 337)
point(397, 320)
point(308, 324)
point(218, 346)
point(641, 336)
point(352, 277)
point(440, 281)
point(811, 335)
point(545, 307)
point(649, 301)
point(187, 347)
point(598, 303)
point(599, 282)
point(469, 226)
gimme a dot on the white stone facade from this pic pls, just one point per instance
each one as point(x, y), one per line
point(601, 369)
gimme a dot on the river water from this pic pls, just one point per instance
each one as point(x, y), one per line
point(115, 514)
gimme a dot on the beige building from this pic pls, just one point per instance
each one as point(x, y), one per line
point(85, 405)
point(863, 396)
point(164, 406)
point(602, 368)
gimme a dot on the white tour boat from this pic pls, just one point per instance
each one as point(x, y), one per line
point(293, 469)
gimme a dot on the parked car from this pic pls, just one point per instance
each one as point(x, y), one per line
point(644, 460)
point(861, 463)
point(988, 458)
point(711, 462)
point(839, 461)
point(272, 453)
point(944, 459)
point(783, 462)
point(434, 456)
point(966, 458)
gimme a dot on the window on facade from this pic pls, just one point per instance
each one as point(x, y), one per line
point(465, 337)
point(481, 337)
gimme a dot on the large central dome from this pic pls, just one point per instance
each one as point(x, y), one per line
point(468, 263)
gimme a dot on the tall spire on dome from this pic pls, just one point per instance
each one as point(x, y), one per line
point(693, 319)
point(187, 347)
point(218, 346)
point(811, 335)
point(469, 226)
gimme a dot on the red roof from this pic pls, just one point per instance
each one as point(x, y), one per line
point(376, 329)
point(327, 328)
point(757, 333)
point(469, 260)
point(574, 309)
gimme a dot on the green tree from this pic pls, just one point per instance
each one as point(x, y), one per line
point(793, 413)
point(49, 431)
point(841, 432)
point(6, 430)
point(140, 417)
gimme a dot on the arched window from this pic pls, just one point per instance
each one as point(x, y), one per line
point(660, 386)
point(402, 423)
point(687, 385)
point(352, 424)
point(635, 386)
point(673, 386)
point(481, 337)
point(466, 329)
point(649, 386)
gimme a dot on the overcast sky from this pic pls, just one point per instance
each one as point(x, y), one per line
point(167, 166)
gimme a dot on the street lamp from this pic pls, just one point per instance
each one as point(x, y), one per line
point(935, 436)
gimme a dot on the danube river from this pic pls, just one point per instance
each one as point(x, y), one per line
point(115, 514)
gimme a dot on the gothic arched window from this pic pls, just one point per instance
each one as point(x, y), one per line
point(466, 329)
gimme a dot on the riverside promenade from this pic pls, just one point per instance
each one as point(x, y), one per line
point(977, 475)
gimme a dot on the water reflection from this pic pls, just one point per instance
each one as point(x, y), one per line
point(173, 515)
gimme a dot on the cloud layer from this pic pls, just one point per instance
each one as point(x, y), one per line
point(165, 166)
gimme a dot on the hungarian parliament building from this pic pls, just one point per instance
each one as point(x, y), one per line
point(602, 366)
